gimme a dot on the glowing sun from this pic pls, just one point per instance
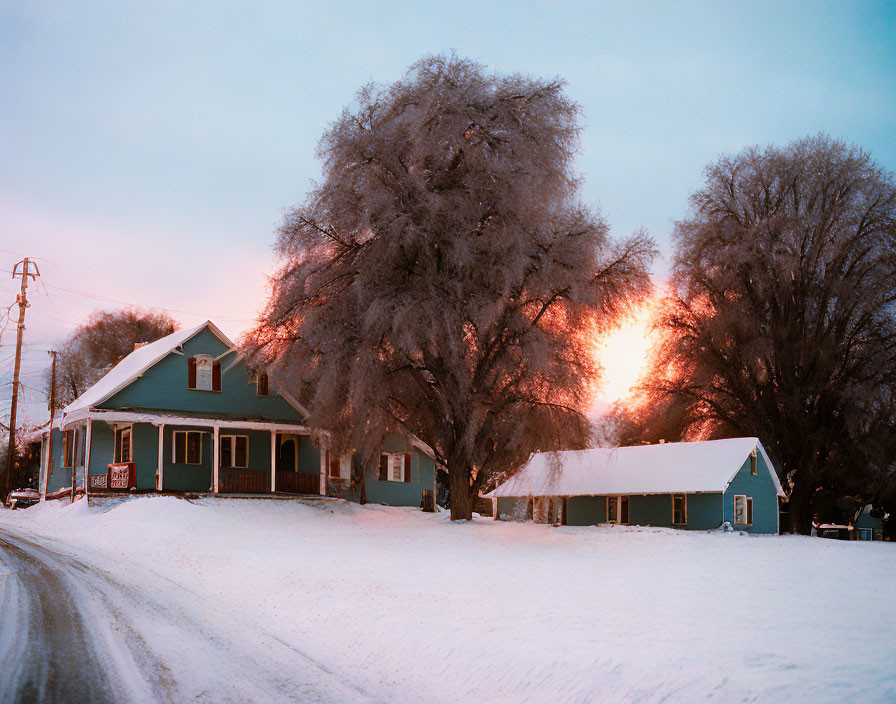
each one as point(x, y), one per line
point(623, 356)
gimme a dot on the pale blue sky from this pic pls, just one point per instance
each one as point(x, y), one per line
point(147, 149)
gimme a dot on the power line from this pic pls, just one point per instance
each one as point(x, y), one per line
point(140, 305)
point(51, 317)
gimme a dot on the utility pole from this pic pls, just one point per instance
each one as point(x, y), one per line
point(22, 300)
point(43, 489)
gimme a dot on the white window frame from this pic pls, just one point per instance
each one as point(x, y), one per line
point(211, 372)
point(743, 498)
point(231, 439)
point(116, 456)
point(186, 433)
point(390, 467)
point(684, 510)
point(345, 466)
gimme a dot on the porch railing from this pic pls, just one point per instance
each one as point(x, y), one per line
point(245, 481)
point(297, 483)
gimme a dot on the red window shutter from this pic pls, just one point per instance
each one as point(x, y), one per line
point(216, 376)
point(191, 373)
point(750, 511)
point(407, 467)
point(384, 467)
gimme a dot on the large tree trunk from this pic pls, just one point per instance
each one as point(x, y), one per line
point(461, 493)
point(362, 498)
point(800, 505)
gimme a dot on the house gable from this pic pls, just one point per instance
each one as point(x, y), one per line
point(762, 487)
point(163, 386)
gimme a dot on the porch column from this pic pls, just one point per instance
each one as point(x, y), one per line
point(215, 460)
point(323, 472)
point(273, 461)
point(160, 480)
point(44, 466)
point(87, 456)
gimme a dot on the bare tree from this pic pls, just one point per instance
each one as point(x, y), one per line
point(443, 280)
point(99, 344)
point(780, 320)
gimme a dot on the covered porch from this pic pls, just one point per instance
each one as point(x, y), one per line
point(178, 453)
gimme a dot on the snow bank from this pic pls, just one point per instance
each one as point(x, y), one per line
point(410, 607)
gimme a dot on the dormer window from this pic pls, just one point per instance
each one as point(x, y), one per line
point(261, 384)
point(204, 373)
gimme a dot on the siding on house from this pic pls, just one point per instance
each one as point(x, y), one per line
point(762, 490)
point(164, 387)
point(584, 510)
point(704, 510)
point(398, 493)
point(60, 476)
point(102, 447)
point(186, 477)
point(309, 456)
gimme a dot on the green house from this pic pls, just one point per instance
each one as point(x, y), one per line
point(186, 414)
point(691, 485)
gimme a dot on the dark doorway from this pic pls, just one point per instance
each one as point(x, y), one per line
point(286, 455)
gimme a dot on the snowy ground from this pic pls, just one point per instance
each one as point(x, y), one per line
point(404, 606)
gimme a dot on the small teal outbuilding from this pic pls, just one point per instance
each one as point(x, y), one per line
point(689, 485)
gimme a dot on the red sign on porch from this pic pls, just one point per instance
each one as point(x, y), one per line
point(122, 475)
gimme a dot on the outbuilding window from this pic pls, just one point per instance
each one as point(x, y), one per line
point(743, 510)
point(122, 445)
point(395, 467)
point(753, 462)
point(617, 509)
point(234, 451)
point(203, 373)
point(187, 447)
point(679, 509)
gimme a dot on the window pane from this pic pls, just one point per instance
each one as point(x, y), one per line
point(242, 451)
point(194, 448)
point(125, 445)
point(204, 372)
point(226, 451)
point(397, 464)
point(180, 447)
point(611, 509)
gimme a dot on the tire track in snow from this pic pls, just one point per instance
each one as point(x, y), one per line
point(145, 648)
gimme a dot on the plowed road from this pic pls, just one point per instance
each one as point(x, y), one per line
point(71, 631)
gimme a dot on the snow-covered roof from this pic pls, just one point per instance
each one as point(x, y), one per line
point(135, 364)
point(679, 467)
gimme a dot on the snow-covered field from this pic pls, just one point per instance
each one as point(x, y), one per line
point(408, 607)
